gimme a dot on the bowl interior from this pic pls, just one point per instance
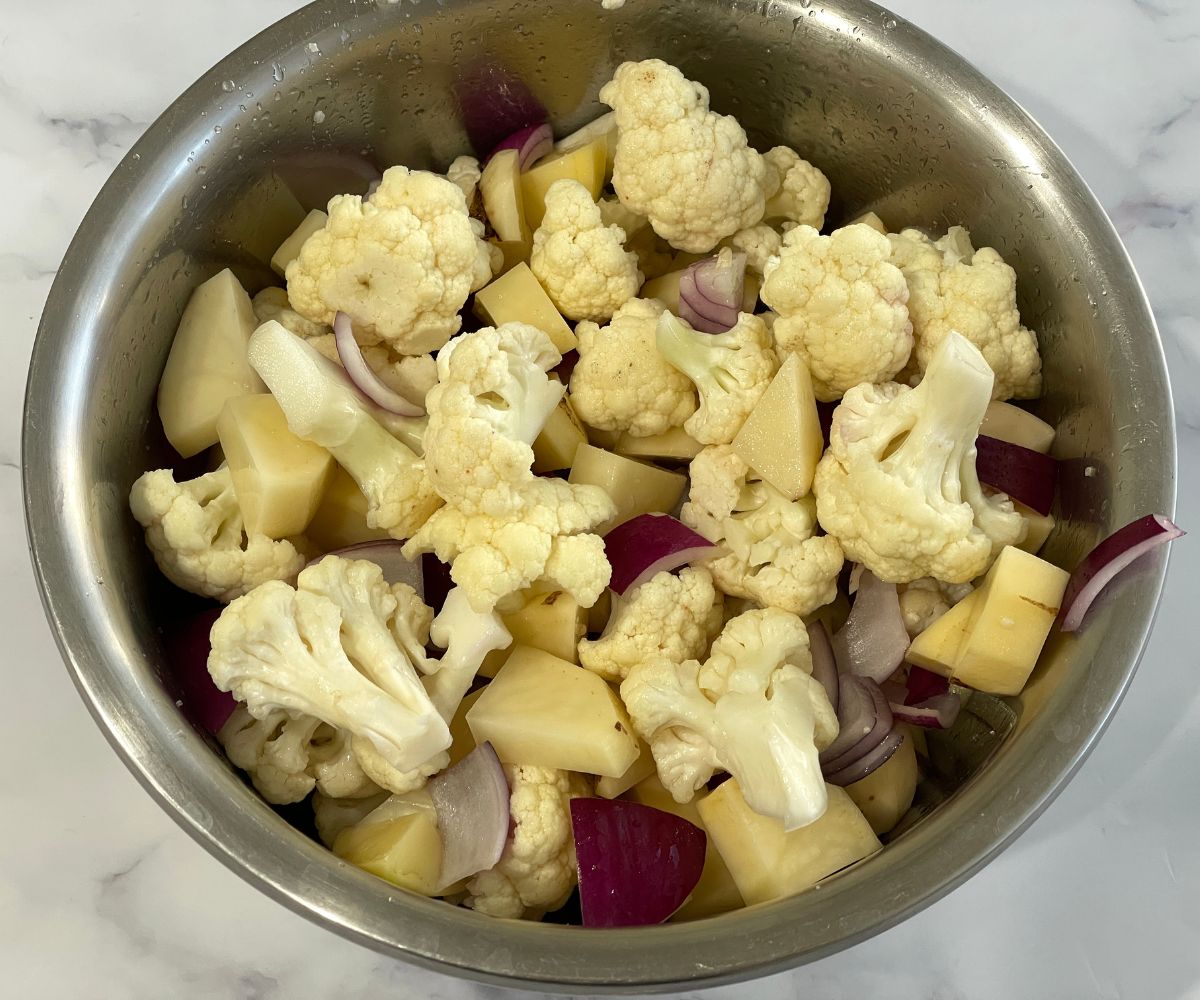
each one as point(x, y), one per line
point(900, 125)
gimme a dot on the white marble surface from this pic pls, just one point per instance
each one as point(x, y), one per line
point(102, 896)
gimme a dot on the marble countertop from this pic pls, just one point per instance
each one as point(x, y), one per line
point(101, 895)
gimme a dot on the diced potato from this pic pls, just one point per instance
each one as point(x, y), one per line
point(869, 219)
point(1037, 528)
point(937, 648)
point(515, 252)
point(781, 440)
point(546, 712)
point(517, 297)
point(767, 863)
point(604, 127)
point(462, 740)
point(716, 891)
point(341, 516)
point(587, 164)
point(551, 621)
point(554, 448)
point(1018, 602)
point(675, 445)
point(500, 186)
point(399, 842)
point(289, 249)
point(597, 616)
point(602, 439)
point(278, 478)
point(885, 794)
point(1010, 423)
point(207, 365)
point(635, 487)
point(750, 289)
point(639, 770)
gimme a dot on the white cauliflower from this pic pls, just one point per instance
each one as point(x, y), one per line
point(196, 534)
point(841, 305)
point(536, 873)
point(796, 191)
point(775, 556)
point(400, 266)
point(953, 286)
point(287, 755)
point(621, 382)
point(687, 169)
point(581, 262)
point(731, 371)
point(924, 601)
point(753, 709)
point(465, 173)
point(759, 243)
point(897, 485)
point(272, 303)
point(668, 615)
point(654, 254)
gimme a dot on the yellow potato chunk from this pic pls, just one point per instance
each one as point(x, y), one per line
point(675, 445)
point(635, 487)
point(462, 741)
point(514, 252)
point(517, 297)
point(937, 648)
point(399, 842)
point(554, 448)
point(639, 770)
point(500, 186)
point(1006, 422)
point(885, 794)
point(1037, 528)
point(278, 478)
point(207, 365)
point(289, 249)
point(869, 219)
point(767, 863)
point(716, 892)
point(546, 712)
point(588, 164)
point(341, 516)
point(781, 440)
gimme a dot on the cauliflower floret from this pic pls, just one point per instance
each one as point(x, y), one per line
point(621, 382)
point(401, 265)
point(491, 401)
point(796, 191)
point(753, 709)
point(759, 243)
point(775, 556)
point(924, 601)
point(493, 557)
point(581, 262)
point(536, 872)
point(668, 615)
point(687, 169)
point(465, 173)
point(272, 304)
point(654, 254)
point(731, 371)
point(953, 286)
point(841, 306)
point(195, 532)
point(897, 485)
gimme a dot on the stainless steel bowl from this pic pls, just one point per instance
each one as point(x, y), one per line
point(900, 124)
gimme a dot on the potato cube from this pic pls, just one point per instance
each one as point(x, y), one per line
point(341, 516)
point(766, 862)
point(1010, 423)
point(885, 794)
point(514, 252)
point(1037, 528)
point(500, 186)
point(517, 297)
point(601, 438)
point(289, 249)
point(635, 487)
point(639, 770)
point(675, 445)
point(462, 741)
point(869, 219)
point(546, 712)
point(937, 648)
point(554, 448)
point(278, 478)
point(781, 440)
point(716, 891)
point(587, 164)
point(399, 842)
point(207, 365)
point(551, 621)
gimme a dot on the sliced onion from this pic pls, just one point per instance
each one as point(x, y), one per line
point(874, 640)
point(824, 666)
point(864, 720)
point(471, 799)
point(1107, 559)
point(531, 143)
point(388, 555)
point(873, 759)
point(649, 544)
point(710, 292)
point(938, 712)
point(922, 685)
point(202, 701)
point(856, 572)
point(1022, 473)
point(363, 377)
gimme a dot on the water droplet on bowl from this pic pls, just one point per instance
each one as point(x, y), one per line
point(227, 86)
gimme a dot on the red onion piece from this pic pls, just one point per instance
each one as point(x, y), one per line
point(938, 712)
point(824, 665)
point(1022, 473)
point(864, 720)
point(649, 544)
point(869, 762)
point(471, 799)
point(1106, 560)
point(710, 292)
point(922, 685)
point(363, 377)
point(874, 640)
point(388, 555)
point(202, 701)
point(531, 143)
point(494, 102)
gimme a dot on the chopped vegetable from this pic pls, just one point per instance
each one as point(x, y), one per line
point(1024, 474)
point(650, 544)
point(531, 144)
point(710, 292)
point(873, 641)
point(471, 802)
